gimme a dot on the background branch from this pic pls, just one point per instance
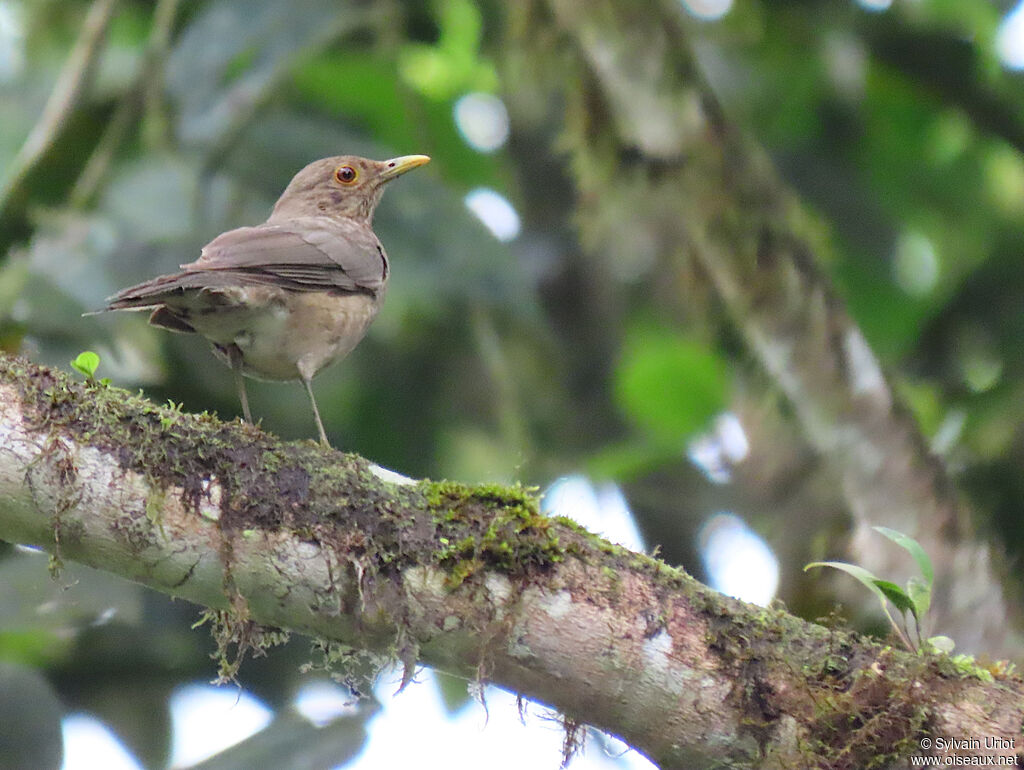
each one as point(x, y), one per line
point(712, 201)
point(67, 94)
point(144, 97)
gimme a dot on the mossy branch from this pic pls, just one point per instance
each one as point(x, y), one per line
point(472, 580)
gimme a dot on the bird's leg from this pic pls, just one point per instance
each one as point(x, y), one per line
point(235, 358)
point(308, 382)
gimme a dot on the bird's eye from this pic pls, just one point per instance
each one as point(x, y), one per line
point(346, 174)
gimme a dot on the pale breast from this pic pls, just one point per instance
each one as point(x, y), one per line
point(284, 335)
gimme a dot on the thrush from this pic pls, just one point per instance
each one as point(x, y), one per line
point(285, 299)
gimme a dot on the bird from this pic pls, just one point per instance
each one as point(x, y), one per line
point(285, 299)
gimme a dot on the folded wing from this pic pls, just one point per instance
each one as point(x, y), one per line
point(311, 254)
point(308, 254)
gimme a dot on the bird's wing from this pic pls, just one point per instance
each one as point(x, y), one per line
point(309, 253)
point(179, 288)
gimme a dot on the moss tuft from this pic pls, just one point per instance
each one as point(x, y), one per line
point(489, 526)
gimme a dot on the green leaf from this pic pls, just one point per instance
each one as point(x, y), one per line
point(33, 646)
point(897, 596)
point(924, 563)
point(920, 594)
point(86, 363)
point(454, 65)
point(942, 644)
point(669, 385)
point(883, 589)
point(864, 576)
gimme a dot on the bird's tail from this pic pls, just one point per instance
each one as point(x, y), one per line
point(152, 293)
point(145, 296)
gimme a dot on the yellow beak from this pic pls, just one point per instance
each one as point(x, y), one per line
point(398, 166)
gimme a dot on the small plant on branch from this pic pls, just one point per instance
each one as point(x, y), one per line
point(87, 363)
point(913, 600)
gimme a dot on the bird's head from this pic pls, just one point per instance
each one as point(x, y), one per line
point(345, 186)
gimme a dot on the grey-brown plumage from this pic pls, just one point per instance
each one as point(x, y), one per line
point(289, 297)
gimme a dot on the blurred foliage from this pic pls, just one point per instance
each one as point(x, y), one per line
point(670, 386)
point(900, 130)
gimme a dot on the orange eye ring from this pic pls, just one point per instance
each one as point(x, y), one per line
point(346, 175)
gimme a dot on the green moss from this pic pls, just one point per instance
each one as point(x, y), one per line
point(167, 446)
point(155, 501)
point(962, 666)
point(872, 722)
point(489, 526)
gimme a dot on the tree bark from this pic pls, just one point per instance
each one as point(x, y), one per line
point(472, 580)
point(665, 184)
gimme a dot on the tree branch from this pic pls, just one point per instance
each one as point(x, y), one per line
point(664, 178)
point(144, 96)
point(73, 82)
point(472, 580)
point(951, 66)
